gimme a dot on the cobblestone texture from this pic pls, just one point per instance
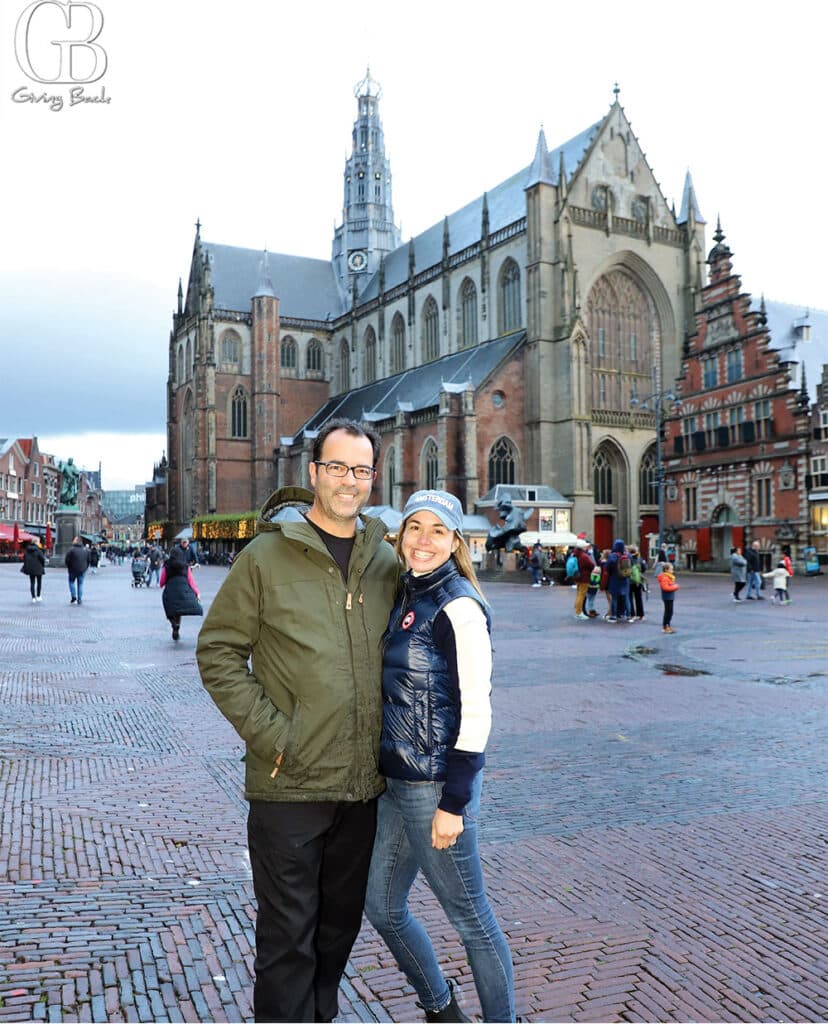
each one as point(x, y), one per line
point(654, 844)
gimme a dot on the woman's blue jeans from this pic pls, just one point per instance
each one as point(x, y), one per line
point(402, 848)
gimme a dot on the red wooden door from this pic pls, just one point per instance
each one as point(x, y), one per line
point(603, 531)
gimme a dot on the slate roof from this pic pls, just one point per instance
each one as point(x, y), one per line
point(306, 288)
point(782, 321)
point(419, 387)
point(506, 201)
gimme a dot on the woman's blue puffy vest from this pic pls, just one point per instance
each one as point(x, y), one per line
point(421, 704)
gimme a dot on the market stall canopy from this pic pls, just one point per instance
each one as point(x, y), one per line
point(548, 538)
point(7, 533)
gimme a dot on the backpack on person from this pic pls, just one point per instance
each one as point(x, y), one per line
point(571, 567)
point(635, 573)
point(624, 566)
point(595, 577)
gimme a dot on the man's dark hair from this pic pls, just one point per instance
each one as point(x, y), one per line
point(350, 427)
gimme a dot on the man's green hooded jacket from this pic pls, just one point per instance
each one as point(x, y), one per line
point(291, 654)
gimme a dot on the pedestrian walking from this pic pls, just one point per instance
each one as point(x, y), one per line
point(34, 566)
point(180, 595)
point(94, 559)
point(77, 564)
point(754, 573)
point(786, 561)
point(156, 560)
point(738, 571)
point(780, 577)
point(667, 581)
point(536, 564)
point(290, 651)
point(437, 655)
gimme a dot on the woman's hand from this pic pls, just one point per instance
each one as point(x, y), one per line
point(445, 828)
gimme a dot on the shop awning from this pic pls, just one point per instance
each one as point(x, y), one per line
point(7, 534)
point(548, 538)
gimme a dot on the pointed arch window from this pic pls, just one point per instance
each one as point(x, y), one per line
point(430, 467)
point(189, 360)
point(288, 356)
point(602, 478)
point(397, 344)
point(510, 312)
point(370, 356)
point(180, 364)
point(502, 462)
point(344, 365)
point(238, 413)
point(648, 480)
point(230, 349)
point(431, 330)
point(468, 314)
point(313, 358)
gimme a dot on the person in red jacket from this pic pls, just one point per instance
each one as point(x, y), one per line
point(585, 567)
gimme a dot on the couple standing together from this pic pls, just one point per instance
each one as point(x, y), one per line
point(365, 709)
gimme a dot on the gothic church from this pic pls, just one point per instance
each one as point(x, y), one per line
point(503, 345)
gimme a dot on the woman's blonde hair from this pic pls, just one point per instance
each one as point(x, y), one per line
point(462, 557)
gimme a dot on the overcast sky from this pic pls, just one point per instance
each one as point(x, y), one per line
point(240, 114)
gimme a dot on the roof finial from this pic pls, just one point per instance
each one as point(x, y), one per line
point(718, 235)
point(616, 91)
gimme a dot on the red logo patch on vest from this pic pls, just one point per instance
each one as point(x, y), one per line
point(408, 621)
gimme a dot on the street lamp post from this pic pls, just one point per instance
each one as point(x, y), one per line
point(656, 399)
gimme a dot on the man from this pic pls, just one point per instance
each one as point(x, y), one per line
point(189, 554)
point(585, 567)
point(536, 564)
point(155, 561)
point(308, 600)
point(754, 572)
point(77, 562)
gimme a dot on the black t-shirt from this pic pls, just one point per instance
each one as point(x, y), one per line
point(339, 547)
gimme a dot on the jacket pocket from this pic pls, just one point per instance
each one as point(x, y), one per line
point(294, 766)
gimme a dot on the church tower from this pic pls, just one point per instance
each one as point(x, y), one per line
point(367, 232)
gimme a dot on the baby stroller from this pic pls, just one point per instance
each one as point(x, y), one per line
point(140, 569)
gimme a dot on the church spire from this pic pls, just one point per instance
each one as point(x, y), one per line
point(689, 204)
point(368, 231)
point(265, 286)
point(539, 172)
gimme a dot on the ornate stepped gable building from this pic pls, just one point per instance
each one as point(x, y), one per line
point(500, 346)
point(737, 453)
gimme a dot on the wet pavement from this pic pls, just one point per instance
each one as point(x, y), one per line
point(654, 829)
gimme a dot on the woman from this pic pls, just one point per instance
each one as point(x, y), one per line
point(436, 719)
point(738, 571)
point(179, 592)
point(34, 566)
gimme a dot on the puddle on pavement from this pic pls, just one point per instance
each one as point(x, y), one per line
point(681, 670)
point(641, 649)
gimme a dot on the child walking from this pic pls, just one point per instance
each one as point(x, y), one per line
point(667, 581)
point(779, 575)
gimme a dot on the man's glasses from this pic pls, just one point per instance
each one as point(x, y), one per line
point(340, 470)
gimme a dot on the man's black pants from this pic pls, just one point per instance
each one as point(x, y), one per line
point(310, 868)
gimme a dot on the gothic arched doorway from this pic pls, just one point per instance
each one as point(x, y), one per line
point(609, 486)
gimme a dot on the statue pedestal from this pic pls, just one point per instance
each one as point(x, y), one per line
point(67, 527)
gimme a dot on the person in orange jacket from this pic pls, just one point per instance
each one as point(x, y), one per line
point(667, 581)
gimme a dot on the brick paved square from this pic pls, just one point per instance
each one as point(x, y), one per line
point(654, 843)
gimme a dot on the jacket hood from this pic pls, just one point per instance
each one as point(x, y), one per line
point(287, 504)
point(618, 546)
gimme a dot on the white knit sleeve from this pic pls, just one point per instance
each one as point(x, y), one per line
point(474, 672)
